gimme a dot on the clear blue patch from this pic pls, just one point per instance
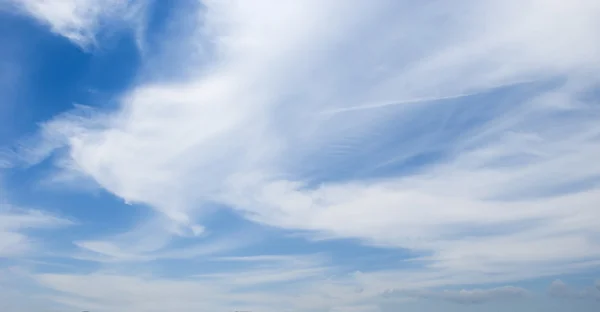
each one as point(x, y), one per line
point(59, 74)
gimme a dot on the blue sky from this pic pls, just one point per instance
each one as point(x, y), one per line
point(299, 155)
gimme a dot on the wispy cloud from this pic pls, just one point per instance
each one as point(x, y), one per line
point(18, 226)
point(125, 248)
point(482, 142)
point(247, 289)
point(245, 132)
point(15, 225)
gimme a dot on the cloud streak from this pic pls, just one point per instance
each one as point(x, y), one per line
point(14, 225)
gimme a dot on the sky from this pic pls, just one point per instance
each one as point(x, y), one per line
point(280, 155)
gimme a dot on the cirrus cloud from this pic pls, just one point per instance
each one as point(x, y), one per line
point(464, 134)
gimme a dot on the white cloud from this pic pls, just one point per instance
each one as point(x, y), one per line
point(78, 20)
point(144, 246)
point(464, 296)
point(255, 128)
point(252, 278)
